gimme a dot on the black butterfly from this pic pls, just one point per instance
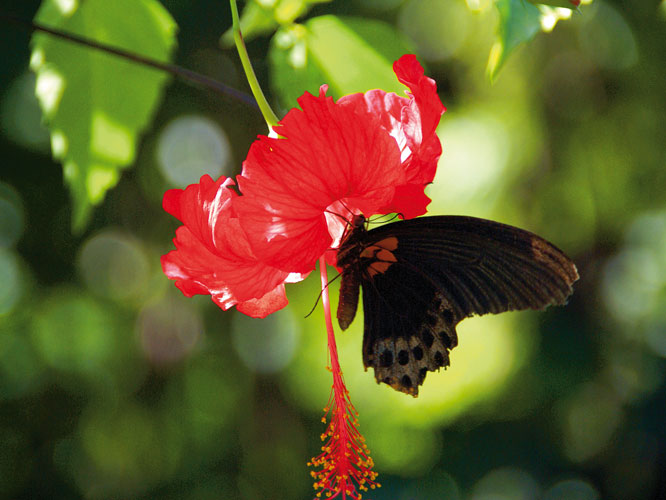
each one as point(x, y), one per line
point(421, 277)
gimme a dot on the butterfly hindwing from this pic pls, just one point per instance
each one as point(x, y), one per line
point(408, 333)
point(421, 277)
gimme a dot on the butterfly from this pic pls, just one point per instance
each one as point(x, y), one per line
point(421, 277)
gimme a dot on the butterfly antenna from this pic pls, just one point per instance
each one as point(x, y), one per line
point(342, 217)
point(338, 215)
point(393, 217)
point(345, 207)
point(319, 296)
point(184, 74)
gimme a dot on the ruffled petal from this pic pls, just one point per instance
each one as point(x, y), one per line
point(412, 121)
point(212, 253)
point(426, 108)
point(273, 301)
point(324, 163)
point(327, 153)
point(409, 201)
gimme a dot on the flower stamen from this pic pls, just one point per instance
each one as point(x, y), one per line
point(345, 463)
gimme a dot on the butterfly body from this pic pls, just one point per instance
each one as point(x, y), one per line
point(421, 277)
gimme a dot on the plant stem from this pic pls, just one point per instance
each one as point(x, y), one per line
point(265, 108)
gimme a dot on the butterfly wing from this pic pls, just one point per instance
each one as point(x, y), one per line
point(421, 277)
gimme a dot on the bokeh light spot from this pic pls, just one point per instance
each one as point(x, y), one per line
point(20, 116)
point(169, 330)
point(126, 450)
point(634, 281)
point(572, 489)
point(74, 333)
point(266, 345)
point(11, 279)
point(21, 370)
point(506, 483)
point(629, 284)
point(607, 39)
point(191, 146)
point(477, 153)
point(439, 28)
point(402, 450)
point(589, 419)
point(433, 486)
point(114, 265)
point(209, 397)
point(655, 337)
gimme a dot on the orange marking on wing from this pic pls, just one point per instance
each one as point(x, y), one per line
point(381, 254)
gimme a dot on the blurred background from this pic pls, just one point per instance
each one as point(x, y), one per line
point(114, 385)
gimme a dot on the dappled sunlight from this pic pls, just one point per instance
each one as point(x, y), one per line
point(550, 16)
point(49, 88)
point(99, 178)
point(110, 140)
point(59, 143)
point(66, 7)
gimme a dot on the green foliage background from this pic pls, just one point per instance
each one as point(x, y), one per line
point(114, 385)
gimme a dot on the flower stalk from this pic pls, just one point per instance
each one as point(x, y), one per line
point(268, 114)
point(345, 463)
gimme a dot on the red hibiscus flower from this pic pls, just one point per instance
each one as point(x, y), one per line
point(213, 255)
point(366, 153)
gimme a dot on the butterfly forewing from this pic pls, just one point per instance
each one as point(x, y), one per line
point(421, 277)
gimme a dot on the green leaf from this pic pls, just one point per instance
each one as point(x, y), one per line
point(565, 4)
point(349, 54)
point(96, 105)
point(519, 22)
point(261, 16)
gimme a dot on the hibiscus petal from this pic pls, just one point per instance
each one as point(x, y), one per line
point(212, 253)
point(273, 301)
point(419, 120)
point(424, 91)
point(409, 201)
point(412, 121)
point(328, 152)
